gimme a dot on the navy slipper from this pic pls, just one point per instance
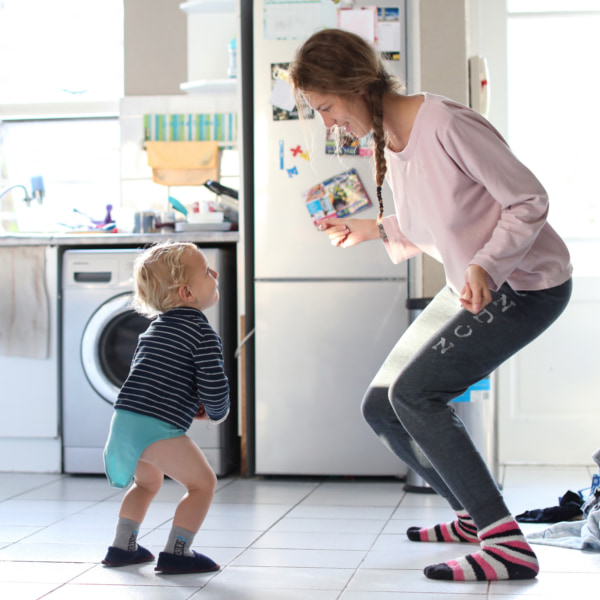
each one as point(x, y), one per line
point(172, 564)
point(117, 557)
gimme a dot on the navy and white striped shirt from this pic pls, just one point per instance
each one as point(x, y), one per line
point(178, 364)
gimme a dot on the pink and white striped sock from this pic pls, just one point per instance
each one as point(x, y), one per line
point(461, 530)
point(504, 554)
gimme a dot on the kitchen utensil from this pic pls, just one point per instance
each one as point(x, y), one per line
point(220, 189)
point(178, 206)
point(92, 220)
point(227, 199)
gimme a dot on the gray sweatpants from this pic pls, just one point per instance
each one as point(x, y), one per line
point(444, 351)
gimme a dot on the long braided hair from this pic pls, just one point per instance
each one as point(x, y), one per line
point(333, 61)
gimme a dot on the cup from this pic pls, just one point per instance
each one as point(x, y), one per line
point(144, 222)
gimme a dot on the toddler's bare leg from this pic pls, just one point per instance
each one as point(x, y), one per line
point(147, 482)
point(182, 460)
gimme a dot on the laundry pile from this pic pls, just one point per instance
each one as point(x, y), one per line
point(568, 509)
point(576, 519)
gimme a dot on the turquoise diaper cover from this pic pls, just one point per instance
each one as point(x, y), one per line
point(130, 434)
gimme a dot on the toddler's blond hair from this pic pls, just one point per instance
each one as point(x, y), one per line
point(158, 272)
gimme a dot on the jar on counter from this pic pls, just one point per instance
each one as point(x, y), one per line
point(144, 221)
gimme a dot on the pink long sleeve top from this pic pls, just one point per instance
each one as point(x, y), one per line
point(462, 197)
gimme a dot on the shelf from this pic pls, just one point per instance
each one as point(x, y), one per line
point(209, 6)
point(203, 86)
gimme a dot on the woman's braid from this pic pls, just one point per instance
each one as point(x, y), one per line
point(374, 98)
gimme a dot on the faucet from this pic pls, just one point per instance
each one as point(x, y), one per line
point(37, 188)
point(12, 187)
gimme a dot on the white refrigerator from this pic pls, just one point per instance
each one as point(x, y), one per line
point(325, 317)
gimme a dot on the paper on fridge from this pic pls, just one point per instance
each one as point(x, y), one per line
point(282, 96)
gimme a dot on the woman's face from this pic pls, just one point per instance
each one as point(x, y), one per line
point(349, 114)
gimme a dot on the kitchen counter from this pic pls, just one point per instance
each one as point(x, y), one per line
point(116, 239)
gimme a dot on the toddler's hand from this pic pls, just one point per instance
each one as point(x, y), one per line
point(201, 413)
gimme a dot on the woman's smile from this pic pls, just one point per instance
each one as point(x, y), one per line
point(347, 114)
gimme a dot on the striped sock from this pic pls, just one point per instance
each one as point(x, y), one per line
point(504, 555)
point(461, 530)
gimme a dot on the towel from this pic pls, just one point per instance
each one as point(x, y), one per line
point(183, 163)
point(24, 303)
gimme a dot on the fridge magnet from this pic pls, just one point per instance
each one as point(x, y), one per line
point(389, 32)
point(293, 171)
point(282, 99)
point(340, 142)
point(281, 162)
point(338, 196)
point(297, 151)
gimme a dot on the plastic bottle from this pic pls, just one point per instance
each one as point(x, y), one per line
point(232, 69)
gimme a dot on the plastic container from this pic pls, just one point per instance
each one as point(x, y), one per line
point(232, 69)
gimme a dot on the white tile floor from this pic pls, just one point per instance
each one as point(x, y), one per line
point(276, 539)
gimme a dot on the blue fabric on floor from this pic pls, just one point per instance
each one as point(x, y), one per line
point(579, 535)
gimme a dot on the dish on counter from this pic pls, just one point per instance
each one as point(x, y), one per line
point(223, 226)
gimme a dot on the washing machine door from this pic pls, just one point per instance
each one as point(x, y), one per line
point(108, 344)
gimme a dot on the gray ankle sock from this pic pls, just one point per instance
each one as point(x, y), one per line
point(180, 541)
point(126, 534)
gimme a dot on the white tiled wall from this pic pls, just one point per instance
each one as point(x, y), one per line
point(138, 191)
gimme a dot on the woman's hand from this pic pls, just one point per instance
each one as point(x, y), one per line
point(476, 293)
point(349, 232)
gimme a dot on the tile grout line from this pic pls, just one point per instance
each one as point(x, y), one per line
point(287, 512)
point(355, 571)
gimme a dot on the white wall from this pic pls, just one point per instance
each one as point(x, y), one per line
point(155, 47)
point(439, 32)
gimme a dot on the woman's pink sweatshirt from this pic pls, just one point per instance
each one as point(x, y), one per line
point(462, 197)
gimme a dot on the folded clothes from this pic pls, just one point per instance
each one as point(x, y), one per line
point(569, 509)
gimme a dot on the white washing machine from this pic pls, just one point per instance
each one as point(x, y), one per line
point(99, 336)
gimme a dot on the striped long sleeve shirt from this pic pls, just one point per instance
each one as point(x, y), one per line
point(178, 364)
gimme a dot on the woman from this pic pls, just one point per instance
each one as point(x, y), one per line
point(462, 197)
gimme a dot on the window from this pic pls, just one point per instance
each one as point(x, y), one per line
point(63, 51)
point(553, 120)
point(61, 79)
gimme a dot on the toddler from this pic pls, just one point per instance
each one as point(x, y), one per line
point(176, 376)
